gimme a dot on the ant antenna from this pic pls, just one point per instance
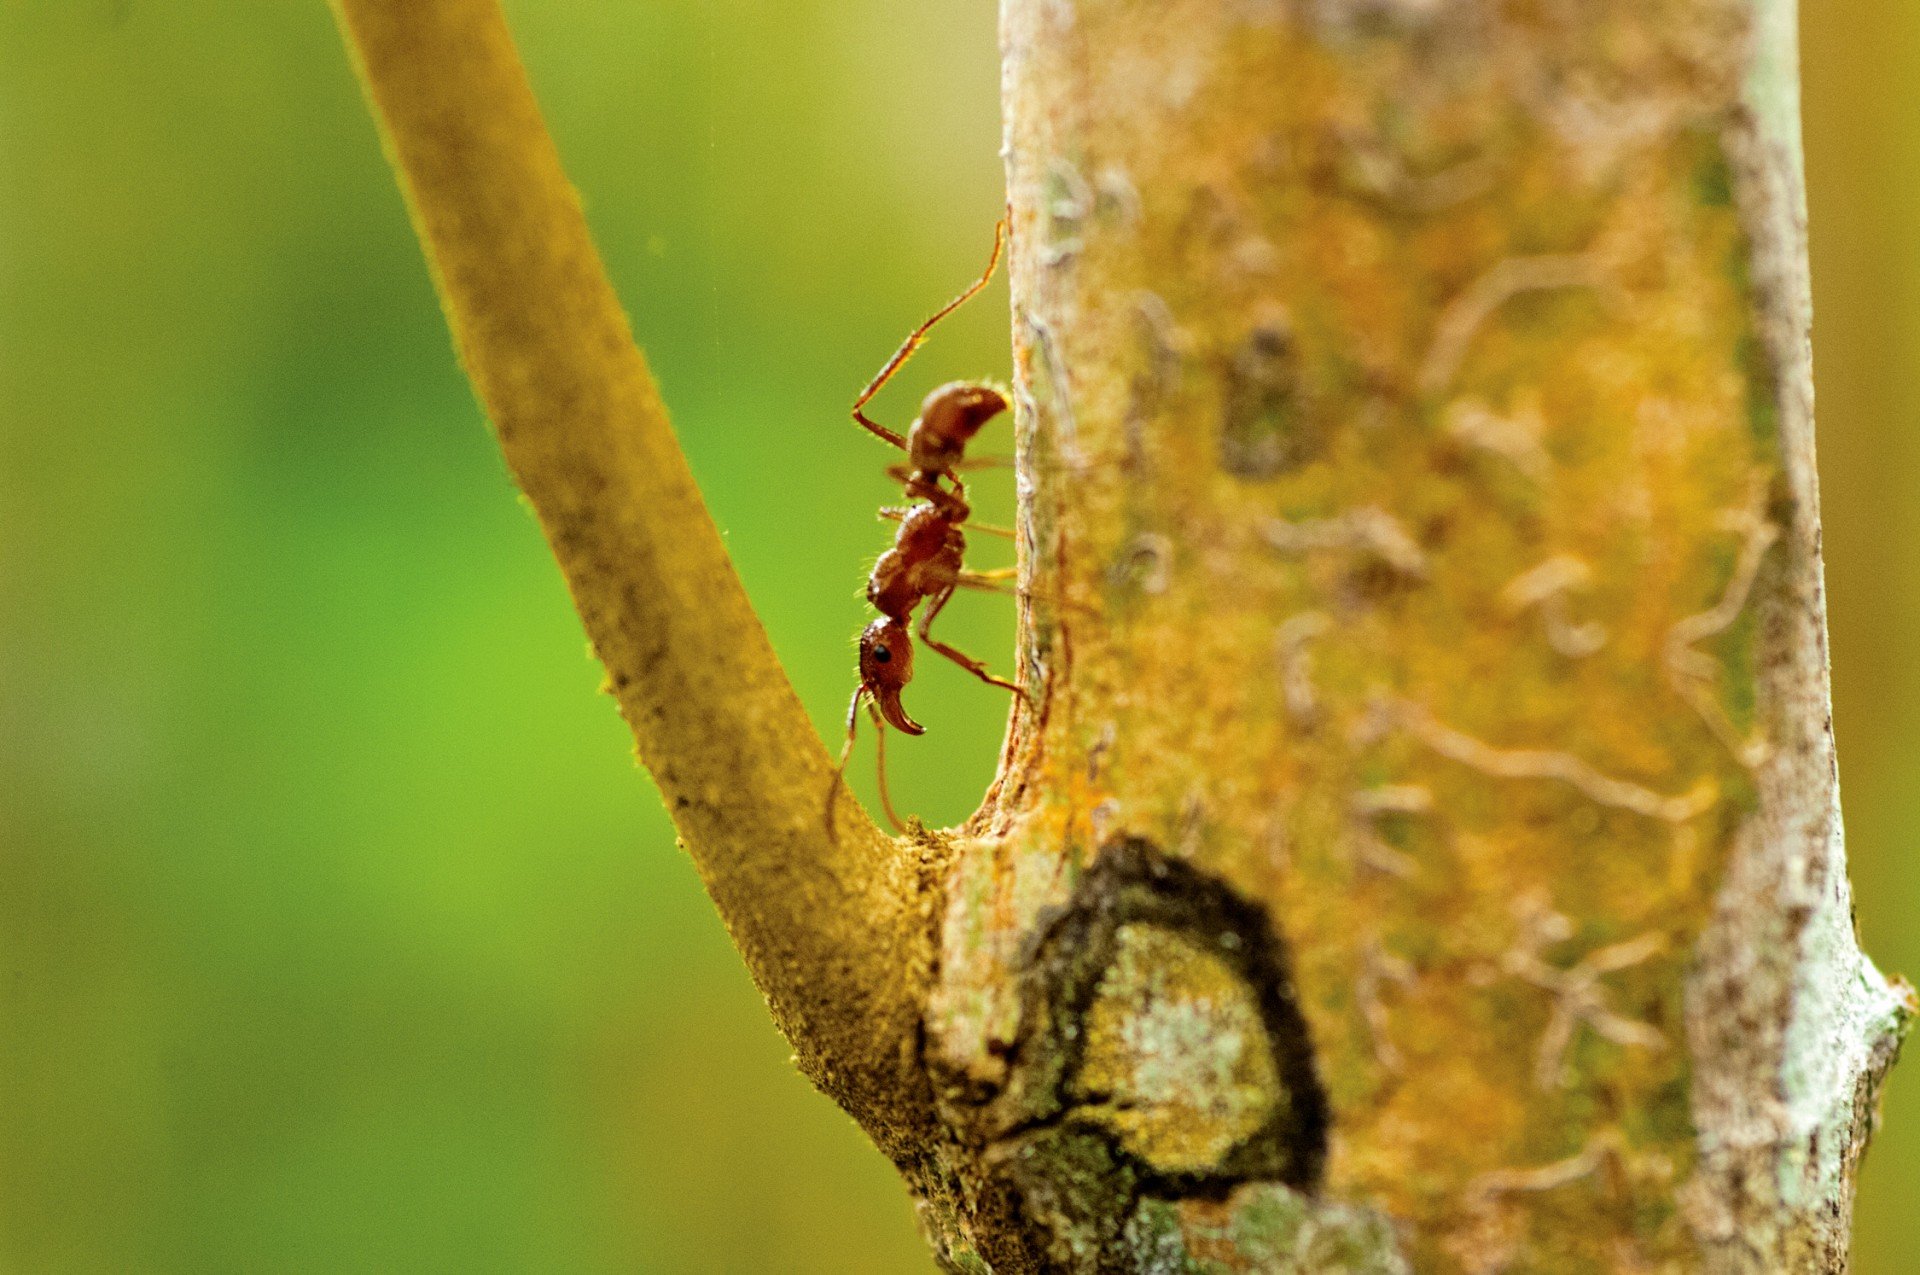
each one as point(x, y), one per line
point(880, 758)
point(880, 764)
point(846, 752)
point(919, 334)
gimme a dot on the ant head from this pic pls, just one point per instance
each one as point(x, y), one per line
point(948, 420)
point(886, 666)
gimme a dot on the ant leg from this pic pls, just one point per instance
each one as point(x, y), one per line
point(919, 334)
point(919, 486)
point(898, 513)
point(961, 658)
point(879, 431)
point(994, 581)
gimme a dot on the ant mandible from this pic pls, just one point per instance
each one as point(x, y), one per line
point(927, 560)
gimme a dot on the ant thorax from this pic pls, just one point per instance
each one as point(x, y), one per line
point(926, 559)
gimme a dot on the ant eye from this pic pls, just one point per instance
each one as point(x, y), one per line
point(883, 655)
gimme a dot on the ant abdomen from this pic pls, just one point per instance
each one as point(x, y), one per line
point(948, 420)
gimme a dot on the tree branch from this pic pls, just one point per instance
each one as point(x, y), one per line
point(834, 931)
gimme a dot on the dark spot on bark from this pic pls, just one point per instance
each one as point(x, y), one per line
point(1355, 20)
point(1143, 565)
point(1154, 385)
point(1068, 1180)
point(1713, 177)
point(1370, 583)
point(1264, 427)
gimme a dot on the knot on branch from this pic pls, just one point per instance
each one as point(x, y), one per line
point(1161, 1059)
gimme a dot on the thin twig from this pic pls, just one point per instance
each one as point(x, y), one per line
point(824, 925)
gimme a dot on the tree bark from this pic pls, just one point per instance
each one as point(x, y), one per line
point(1423, 850)
point(1427, 855)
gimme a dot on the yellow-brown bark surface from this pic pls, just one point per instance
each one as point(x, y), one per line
point(1413, 549)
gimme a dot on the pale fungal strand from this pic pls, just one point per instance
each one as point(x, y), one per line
point(1602, 132)
point(1545, 587)
point(1539, 924)
point(1578, 995)
point(1070, 208)
point(1379, 967)
point(1370, 849)
point(1066, 429)
point(1540, 763)
point(1556, 575)
point(1193, 818)
point(1516, 438)
point(1393, 799)
point(1693, 673)
point(1578, 999)
point(1104, 819)
point(1550, 1176)
point(1097, 754)
point(1373, 167)
point(1467, 313)
point(1114, 189)
point(1368, 529)
point(1163, 336)
point(1296, 636)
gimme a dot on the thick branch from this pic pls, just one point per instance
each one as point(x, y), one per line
point(1426, 855)
point(832, 930)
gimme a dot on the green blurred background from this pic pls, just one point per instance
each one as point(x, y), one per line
point(337, 930)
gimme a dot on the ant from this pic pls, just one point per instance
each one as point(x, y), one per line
point(927, 560)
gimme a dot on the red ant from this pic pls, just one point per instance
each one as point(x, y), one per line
point(926, 562)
